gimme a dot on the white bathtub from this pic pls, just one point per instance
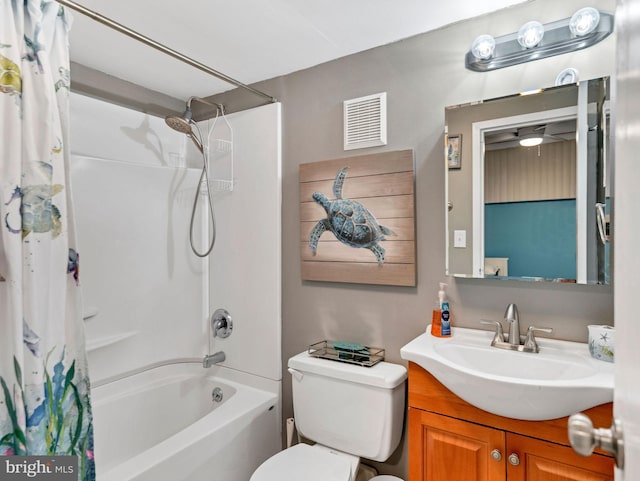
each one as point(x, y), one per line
point(162, 425)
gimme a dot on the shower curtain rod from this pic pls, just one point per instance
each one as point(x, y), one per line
point(158, 46)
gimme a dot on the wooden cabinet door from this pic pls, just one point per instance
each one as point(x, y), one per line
point(544, 461)
point(447, 449)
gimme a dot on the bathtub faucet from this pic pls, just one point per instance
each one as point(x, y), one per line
point(212, 359)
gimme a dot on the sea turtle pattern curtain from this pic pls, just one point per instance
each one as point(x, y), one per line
point(44, 384)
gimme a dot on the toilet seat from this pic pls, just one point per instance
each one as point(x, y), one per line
point(305, 462)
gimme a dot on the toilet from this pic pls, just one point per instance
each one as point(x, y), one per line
point(349, 411)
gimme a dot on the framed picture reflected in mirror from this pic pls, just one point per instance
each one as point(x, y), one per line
point(454, 151)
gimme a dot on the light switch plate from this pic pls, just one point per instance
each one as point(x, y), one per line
point(460, 238)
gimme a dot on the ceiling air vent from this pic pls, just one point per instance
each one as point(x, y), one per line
point(365, 121)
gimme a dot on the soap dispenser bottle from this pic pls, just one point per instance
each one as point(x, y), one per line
point(436, 322)
point(445, 321)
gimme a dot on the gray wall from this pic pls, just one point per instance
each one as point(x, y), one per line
point(421, 75)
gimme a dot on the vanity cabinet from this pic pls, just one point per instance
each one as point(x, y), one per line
point(451, 440)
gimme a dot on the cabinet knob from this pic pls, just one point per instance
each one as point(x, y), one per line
point(514, 459)
point(496, 455)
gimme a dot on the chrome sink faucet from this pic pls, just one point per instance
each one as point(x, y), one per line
point(513, 343)
point(511, 316)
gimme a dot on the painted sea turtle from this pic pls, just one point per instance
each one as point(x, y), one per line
point(350, 221)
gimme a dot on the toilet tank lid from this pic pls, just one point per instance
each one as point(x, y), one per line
point(384, 374)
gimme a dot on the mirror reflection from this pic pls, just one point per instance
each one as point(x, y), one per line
point(528, 188)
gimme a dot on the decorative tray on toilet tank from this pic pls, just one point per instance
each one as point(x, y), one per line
point(349, 352)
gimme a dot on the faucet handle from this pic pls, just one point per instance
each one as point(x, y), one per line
point(499, 336)
point(530, 340)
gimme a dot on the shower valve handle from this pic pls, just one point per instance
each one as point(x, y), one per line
point(221, 323)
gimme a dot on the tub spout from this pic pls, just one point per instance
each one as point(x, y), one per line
point(212, 359)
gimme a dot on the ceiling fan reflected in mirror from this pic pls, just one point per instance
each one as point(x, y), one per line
point(530, 135)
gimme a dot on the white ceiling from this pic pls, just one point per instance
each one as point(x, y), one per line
point(249, 40)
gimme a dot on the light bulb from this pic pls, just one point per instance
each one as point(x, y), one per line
point(584, 21)
point(483, 47)
point(531, 141)
point(530, 34)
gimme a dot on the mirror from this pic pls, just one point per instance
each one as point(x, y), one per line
point(528, 186)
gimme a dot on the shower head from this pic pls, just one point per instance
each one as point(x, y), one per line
point(180, 124)
point(183, 125)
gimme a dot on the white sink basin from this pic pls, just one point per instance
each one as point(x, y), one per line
point(560, 380)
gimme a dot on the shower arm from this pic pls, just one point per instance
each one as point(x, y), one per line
point(219, 107)
point(162, 48)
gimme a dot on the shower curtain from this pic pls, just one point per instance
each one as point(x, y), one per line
point(44, 384)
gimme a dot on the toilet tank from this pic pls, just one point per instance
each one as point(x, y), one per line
point(355, 409)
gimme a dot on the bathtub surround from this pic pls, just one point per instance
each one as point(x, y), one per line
point(44, 384)
point(153, 297)
point(133, 185)
point(244, 270)
point(148, 298)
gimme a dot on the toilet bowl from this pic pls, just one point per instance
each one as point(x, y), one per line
point(308, 463)
point(349, 411)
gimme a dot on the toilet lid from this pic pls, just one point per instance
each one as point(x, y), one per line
point(304, 462)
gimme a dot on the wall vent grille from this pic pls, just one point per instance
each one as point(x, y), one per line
point(365, 121)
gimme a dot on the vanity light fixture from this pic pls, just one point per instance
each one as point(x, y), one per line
point(535, 41)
